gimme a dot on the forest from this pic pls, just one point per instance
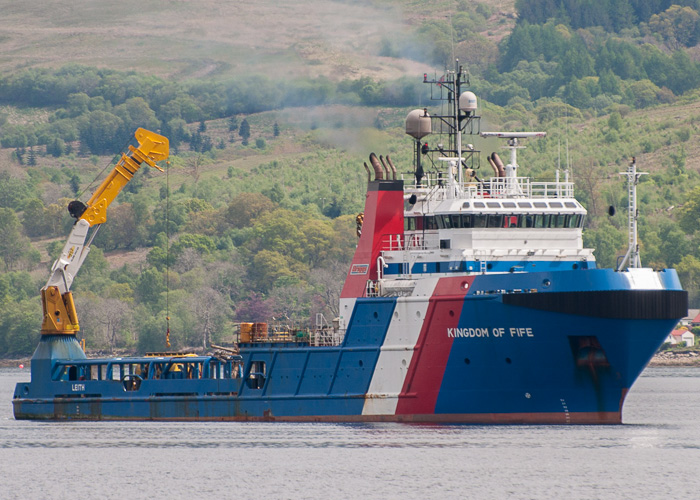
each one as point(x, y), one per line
point(254, 218)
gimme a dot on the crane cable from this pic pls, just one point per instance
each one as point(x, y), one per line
point(167, 254)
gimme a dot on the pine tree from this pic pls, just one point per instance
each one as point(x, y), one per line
point(75, 184)
point(32, 157)
point(244, 131)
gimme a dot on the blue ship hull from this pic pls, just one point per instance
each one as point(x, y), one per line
point(559, 347)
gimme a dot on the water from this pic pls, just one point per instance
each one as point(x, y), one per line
point(653, 455)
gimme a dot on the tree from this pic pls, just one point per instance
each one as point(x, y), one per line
point(100, 132)
point(14, 246)
point(689, 273)
point(34, 219)
point(677, 25)
point(607, 241)
point(244, 131)
point(210, 310)
point(31, 159)
point(75, 184)
point(151, 285)
point(615, 121)
point(276, 130)
point(689, 213)
point(246, 207)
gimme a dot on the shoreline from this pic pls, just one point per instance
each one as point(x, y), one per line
point(675, 358)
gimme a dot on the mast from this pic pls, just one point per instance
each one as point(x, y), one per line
point(631, 258)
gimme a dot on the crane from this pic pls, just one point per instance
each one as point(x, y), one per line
point(60, 317)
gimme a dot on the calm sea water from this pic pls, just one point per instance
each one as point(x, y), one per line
point(655, 454)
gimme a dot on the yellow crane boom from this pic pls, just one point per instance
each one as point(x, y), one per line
point(60, 316)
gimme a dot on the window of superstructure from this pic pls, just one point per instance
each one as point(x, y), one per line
point(558, 220)
point(430, 222)
point(508, 204)
point(524, 204)
point(495, 220)
point(467, 221)
point(493, 204)
point(465, 204)
point(527, 220)
point(409, 224)
point(479, 220)
point(479, 204)
point(540, 204)
point(510, 220)
point(556, 204)
point(569, 204)
point(456, 220)
point(541, 220)
point(574, 220)
point(446, 221)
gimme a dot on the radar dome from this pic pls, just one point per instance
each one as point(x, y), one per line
point(418, 123)
point(467, 102)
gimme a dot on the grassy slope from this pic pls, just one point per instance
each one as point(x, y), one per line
point(339, 39)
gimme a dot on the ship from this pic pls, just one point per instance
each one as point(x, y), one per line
point(470, 299)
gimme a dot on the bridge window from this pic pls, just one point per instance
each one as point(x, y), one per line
point(495, 220)
point(527, 220)
point(430, 222)
point(558, 220)
point(479, 221)
point(510, 221)
point(409, 224)
point(541, 221)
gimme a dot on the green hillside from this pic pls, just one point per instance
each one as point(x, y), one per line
point(271, 112)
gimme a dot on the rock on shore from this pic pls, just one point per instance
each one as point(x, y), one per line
point(675, 358)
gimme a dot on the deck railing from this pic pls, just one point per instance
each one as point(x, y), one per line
point(497, 187)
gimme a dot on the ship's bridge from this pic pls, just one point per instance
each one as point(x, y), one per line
point(500, 225)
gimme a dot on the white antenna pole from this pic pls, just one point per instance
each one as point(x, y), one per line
point(631, 258)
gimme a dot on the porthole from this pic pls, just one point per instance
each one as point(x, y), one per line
point(452, 313)
point(376, 314)
point(466, 361)
point(508, 361)
point(361, 363)
point(546, 283)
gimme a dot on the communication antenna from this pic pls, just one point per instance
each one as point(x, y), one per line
point(631, 259)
